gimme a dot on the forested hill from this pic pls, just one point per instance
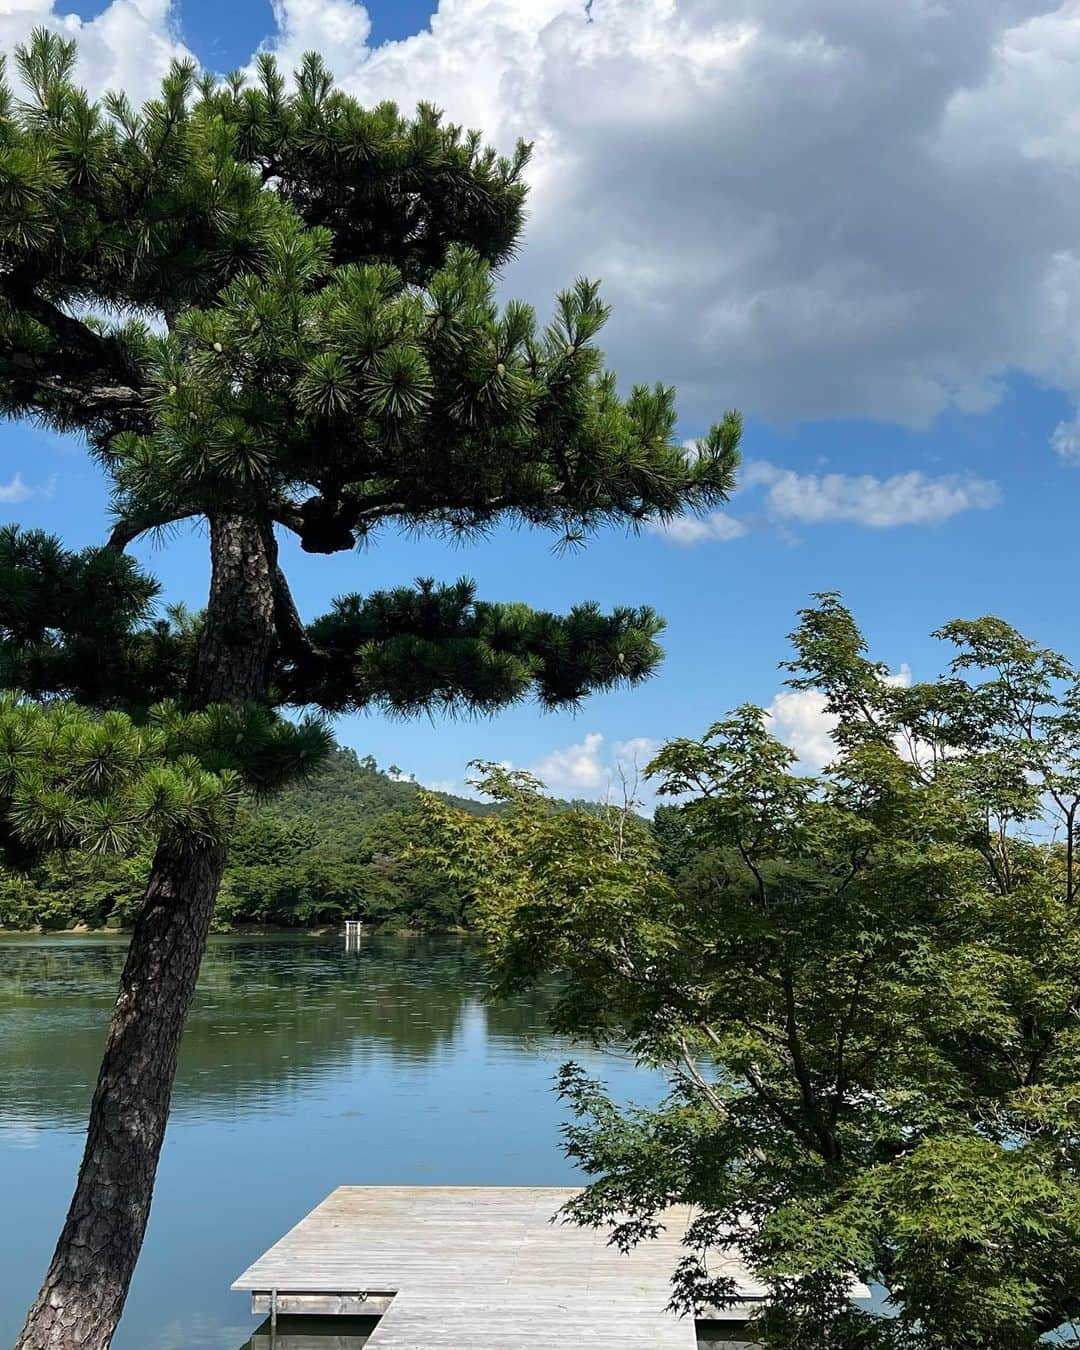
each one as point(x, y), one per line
point(348, 787)
point(335, 847)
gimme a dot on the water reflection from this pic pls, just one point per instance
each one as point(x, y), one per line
point(271, 1015)
point(304, 1067)
point(313, 1333)
point(351, 1333)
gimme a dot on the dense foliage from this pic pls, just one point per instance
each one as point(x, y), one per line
point(92, 788)
point(862, 984)
point(340, 844)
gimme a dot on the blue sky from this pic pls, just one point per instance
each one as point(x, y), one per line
point(901, 453)
point(223, 36)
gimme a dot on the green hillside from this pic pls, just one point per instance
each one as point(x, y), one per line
point(348, 787)
point(336, 847)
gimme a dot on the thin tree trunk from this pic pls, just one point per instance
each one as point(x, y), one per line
point(83, 1295)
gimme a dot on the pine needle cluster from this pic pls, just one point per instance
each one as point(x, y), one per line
point(71, 780)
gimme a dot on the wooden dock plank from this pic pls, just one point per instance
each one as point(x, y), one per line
point(415, 1323)
point(475, 1268)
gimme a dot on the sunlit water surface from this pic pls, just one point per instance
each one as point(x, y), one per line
point(304, 1067)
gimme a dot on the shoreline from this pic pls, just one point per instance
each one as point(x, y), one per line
point(242, 930)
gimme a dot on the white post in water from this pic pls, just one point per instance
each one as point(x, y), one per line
point(352, 934)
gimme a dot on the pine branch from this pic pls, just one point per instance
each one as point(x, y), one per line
point(296, 643)
point(305, 655)
point(90, 358)
point(428, 647)
point(129, 528)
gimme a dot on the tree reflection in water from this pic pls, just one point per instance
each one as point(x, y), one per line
point(313, 1333)
point(271, 1013)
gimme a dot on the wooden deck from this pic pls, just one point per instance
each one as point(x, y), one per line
point(475, 1268)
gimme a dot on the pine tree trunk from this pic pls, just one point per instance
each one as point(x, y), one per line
point(83, 1295)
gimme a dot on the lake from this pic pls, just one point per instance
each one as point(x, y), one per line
point(305, 1066)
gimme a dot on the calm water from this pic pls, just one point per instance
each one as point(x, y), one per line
point(304, 1067)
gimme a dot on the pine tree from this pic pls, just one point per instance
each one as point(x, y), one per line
point(269, 308)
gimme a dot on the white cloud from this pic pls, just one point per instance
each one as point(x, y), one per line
point(1066, 440)
point(576, 769)
point(15, 491)
point(590, 769)
point(800, 719)
point(128, 46)
point(338, 29)
point(910, 498)
point(688, 530)
point(876, 204)
point(635, 753)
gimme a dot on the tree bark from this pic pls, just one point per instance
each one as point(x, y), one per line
point(83, 1295)
point(233, 662)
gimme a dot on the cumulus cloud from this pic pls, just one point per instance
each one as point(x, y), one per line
point(912, 498)
point(876, 204)
point(591, 769)
point(128, 46)
point(805, 208)
point(633, 755)
point(1066, 440)
point(575, 769)
point(801, 720)
point(338, 29)
point(904, 499)
point(798, 717)
point(688, 530)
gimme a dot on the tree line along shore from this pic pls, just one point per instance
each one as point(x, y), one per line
point(335, 847)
